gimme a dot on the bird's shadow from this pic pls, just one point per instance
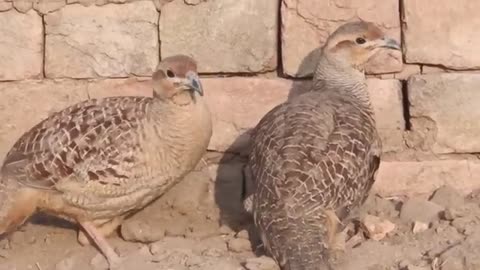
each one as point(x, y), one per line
point(229, 182)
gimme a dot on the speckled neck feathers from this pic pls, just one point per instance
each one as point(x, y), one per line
point(333, 74)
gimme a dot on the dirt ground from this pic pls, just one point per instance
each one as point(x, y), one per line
point(182, 231)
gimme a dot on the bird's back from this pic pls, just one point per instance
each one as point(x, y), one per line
point(86, 138)
point(318, 151)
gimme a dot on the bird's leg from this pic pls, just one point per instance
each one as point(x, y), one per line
point(97, 237)
point(336, 240)
point(106, 229)
point(332, 227)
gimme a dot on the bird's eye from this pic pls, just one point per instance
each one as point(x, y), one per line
point(360, 40)
point(170, 73)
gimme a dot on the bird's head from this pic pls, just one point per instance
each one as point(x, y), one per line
point(176, 77)
point(355, 43)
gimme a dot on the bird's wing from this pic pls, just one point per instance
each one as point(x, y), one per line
point(314, 152)
point(86, 140)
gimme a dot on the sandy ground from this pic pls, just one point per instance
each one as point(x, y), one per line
point(182, 231)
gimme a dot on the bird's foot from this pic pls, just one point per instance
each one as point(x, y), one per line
point(98, 238)
point(105, 230)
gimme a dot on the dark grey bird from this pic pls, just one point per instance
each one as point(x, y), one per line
point(314, 158)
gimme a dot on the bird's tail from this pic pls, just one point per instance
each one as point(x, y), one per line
point(17, 204)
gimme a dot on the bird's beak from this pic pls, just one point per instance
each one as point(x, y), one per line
point(389, 43)
point(193, 82)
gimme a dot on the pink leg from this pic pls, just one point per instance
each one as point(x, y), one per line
point(97, 237)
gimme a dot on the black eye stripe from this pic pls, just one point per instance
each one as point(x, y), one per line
point(360, 40)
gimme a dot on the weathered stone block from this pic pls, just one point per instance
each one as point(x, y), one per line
point(47, 6)
point(306, 24)
point(386, 98)
point(442, 34)
point(4, 6)
point(237, 104)
point(24, 104)
point(21, 45)
point(442, 109)
point(222, 35)
point(107, 41)
point(417, 178)
point(120, 87)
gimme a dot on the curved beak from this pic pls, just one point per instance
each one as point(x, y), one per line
point(193, 82)
point(389, 43)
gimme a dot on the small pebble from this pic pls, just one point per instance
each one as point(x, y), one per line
point(419, 227)
point(239, 245)
point(224, 229)
point(242, 234)
point(261, 263)
point(377, 228)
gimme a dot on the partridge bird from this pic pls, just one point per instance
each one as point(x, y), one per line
point(102, 159)
point(314, 158)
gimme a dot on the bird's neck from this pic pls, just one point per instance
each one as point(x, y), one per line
point(335, 75)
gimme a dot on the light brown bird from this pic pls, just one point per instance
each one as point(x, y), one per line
point(314, 157)
point(100, 160)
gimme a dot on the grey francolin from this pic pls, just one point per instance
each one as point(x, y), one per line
point(314, 157)
point(102, 159)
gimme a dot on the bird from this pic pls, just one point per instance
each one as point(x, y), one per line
point(313, 159)
point(100, 160)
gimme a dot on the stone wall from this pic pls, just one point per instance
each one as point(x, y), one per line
point(254, 54)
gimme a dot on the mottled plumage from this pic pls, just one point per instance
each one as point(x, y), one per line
point(314, 157)
point(100, 160)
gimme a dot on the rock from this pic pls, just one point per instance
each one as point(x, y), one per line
point(306, 24)
point(450, 214)
point(376, 206)
point(141, 231)
point(377, 228)
point(225, 230)
point(21, 55)
point(419, 227)
point(386, 98)
point(438, 114)
point(261, 263)
point(425, 40)
point(411, 178)
point(448, 197)
point(420, 210)
point(242, 33)
point(239, 245)
point(242, 234)
point(187, 196)
point(126, 41)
